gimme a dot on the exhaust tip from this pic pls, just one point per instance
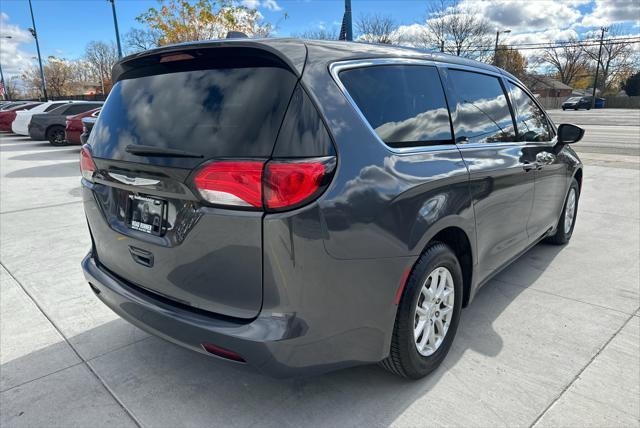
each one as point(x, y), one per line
point(221, 352)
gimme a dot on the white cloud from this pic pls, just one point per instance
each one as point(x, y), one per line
point(13, 58)
point(266, 4)
point(606, 12)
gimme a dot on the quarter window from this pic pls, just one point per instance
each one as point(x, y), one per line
point(531, 122)
point(404, 104)
point(482, 112)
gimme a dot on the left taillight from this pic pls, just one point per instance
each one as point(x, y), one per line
point(87, 166)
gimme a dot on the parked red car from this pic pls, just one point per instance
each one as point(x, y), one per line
point(7, 116)
point(74, 125)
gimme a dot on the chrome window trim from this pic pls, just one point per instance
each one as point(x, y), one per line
point(339, 66)
point(552, 125)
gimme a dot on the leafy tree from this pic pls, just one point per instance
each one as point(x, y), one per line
point(511, 60)
point(632, 85)
point(60, 76)
point(179, 21)
point(376, 29)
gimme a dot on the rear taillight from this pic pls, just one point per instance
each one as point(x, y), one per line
point(87, 166)
point(275, 185)
point(237, 183)
point(288, 184)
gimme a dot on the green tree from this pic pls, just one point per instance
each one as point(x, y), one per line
point(511, 60)
point(177, 21)
point(632, 85)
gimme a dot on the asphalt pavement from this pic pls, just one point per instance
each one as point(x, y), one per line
point(554, 340)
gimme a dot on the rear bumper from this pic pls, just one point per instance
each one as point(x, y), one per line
point(274, 344)
point(72, 137)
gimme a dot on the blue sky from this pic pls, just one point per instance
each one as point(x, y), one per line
point(66, 26)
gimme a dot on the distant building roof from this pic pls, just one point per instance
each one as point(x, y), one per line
point(544, 82)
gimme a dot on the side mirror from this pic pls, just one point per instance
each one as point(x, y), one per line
point(569, 134)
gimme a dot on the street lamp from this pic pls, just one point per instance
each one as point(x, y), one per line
point(115, 24)
point(495, 51)
point(34, 33)
point(5, 92)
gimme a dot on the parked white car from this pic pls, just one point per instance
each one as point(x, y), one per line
point(20, 124)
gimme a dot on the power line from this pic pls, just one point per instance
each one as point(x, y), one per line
point(547, 46)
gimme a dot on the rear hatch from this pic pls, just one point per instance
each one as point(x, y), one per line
point(168, 118)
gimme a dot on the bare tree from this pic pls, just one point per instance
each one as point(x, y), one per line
point(321, 34)
point(101, 57)
point(616, 61)
point(376, 28)
point(458, 30)
point(59, 75)
point(138, 40)
point(567, 60)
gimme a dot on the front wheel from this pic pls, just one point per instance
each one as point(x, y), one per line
point(55, 135)
point(567, 220)
point(428, 314)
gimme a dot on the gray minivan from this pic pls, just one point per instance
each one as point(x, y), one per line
point(303, 206)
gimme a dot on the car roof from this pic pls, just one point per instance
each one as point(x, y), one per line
point(298, 52)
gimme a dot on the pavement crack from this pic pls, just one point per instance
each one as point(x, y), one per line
point(83, 361)
point(577, 376)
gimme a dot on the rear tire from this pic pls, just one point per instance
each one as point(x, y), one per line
point(55, 135)
point(567, 220)
point(404, 358)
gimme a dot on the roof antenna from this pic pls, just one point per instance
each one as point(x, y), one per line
point(236, 35)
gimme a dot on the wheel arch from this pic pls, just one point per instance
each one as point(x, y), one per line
point(578, 176)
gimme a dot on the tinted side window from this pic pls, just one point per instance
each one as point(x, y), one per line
point(52, 106)
point(482, 113)
point(80, 108)
point(531, 121)
point(404, 104)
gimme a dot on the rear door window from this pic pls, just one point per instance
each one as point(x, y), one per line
point(531, 121)
point(53, 106)
point(220, 112)
point(482, 113)
point(404, 104)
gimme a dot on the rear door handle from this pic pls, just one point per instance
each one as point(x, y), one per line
point(528, 166)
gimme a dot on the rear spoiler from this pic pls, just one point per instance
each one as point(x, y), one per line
point(291, 52)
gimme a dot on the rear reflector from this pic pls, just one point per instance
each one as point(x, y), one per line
point(221, 352)
point(87, 166)
point(236, 183)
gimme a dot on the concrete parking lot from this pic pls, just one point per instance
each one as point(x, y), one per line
point(554, 340)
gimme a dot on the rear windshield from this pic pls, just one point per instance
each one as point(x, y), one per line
point(222, 112)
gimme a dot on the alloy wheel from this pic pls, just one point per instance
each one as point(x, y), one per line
point(570, 211)
point(434, 311)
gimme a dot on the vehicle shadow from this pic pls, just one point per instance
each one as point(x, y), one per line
point(62, 169)
point(70, 153)
point(163, 384)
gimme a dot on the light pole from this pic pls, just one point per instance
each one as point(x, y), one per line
point(5, 91)
point(595, 81)
point(34, 33)
point(115, 24)
point(495, 51)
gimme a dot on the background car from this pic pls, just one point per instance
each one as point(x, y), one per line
point(11, 104)
point(87, 126)
point(20, 124)
point(74, 126)
point(50, 126)
point(577, 103)
point(7, 116)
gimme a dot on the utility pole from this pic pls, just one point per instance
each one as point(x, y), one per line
point(346, 31)
point(115, 24)
point(442, 46)
point(495, 50)
point(5, 93)
point(34, 33)
point(595, 81)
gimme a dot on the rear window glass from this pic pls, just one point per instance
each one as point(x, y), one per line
point(404, 104)
point(222, 112)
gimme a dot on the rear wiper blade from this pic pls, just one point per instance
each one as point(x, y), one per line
point(142, 150)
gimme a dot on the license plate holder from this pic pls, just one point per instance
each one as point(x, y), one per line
point(147, 214)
